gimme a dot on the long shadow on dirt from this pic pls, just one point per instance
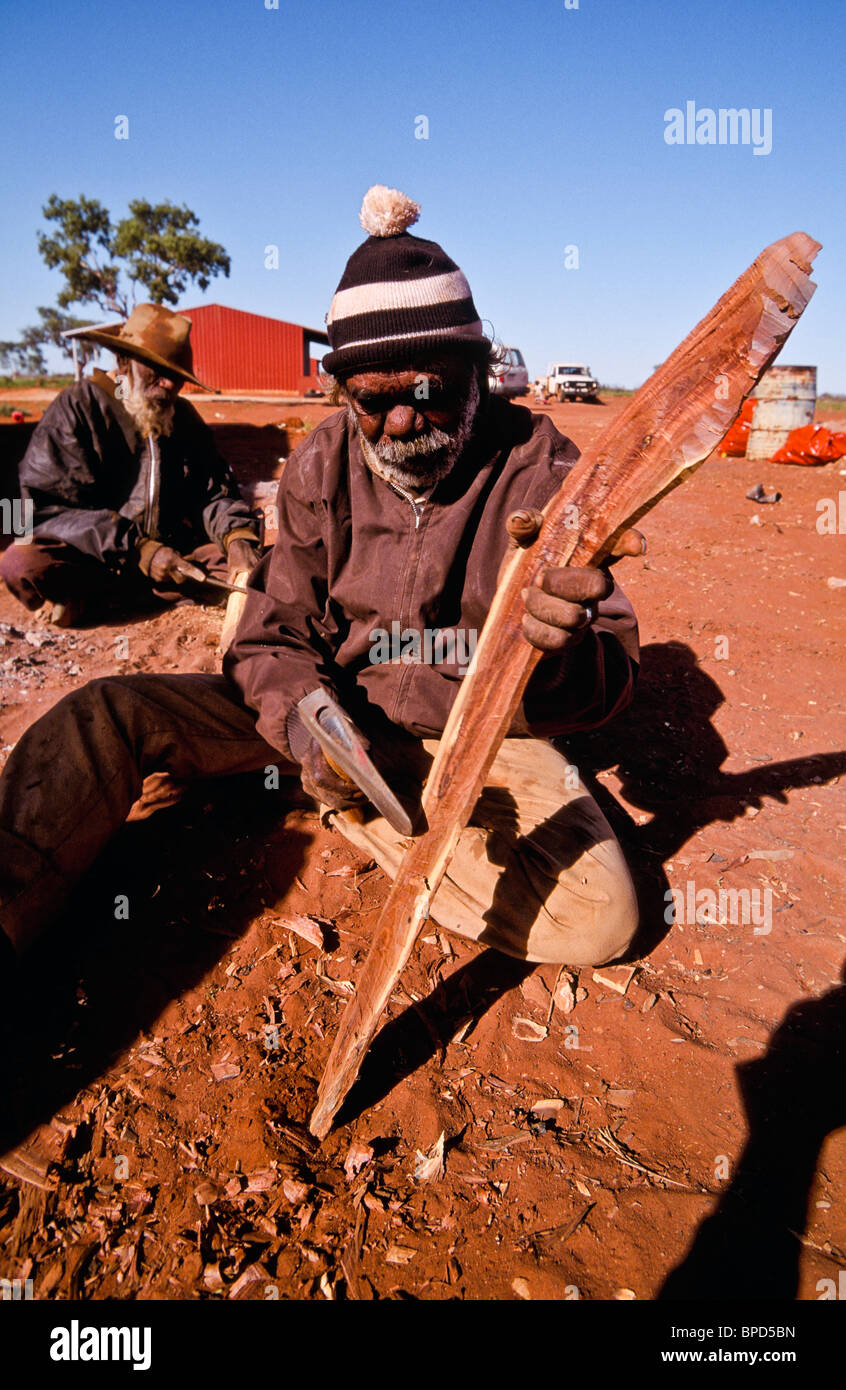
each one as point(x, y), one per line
point(668, 756)
point(794, 1098)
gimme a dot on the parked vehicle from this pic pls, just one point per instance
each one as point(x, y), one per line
point(571, 381)
point(510, 377)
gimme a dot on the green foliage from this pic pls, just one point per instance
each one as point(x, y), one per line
point(156, 247)
point(54, 323)
point(163, 251)
point(81, 248)
point(25, 355)
point(20, 383)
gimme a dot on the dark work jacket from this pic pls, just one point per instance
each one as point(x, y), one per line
point(353, 556)
point(87, 468)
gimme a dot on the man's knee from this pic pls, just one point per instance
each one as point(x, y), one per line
point(593, 920)
point(104, 697)
point(96, 715)
point(20, 567)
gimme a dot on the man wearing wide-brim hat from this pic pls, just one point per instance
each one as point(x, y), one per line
point(127, 488)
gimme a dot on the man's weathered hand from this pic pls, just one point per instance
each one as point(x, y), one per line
point(560, 610)
point(321, 781)
point(167, 563)
point(158, 790)
point(241, 558)
point(564, 605)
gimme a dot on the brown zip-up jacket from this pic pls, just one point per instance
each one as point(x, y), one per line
point(359, 569)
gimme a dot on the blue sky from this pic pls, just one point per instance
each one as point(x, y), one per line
point(546, 130)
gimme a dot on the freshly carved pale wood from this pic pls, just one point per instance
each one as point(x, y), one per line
point(669, 427)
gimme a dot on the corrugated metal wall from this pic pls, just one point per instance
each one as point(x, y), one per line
point(238, 351)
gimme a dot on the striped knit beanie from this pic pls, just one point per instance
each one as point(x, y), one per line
point(399, 296)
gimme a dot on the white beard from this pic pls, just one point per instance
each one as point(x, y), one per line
point(151, 418)
point(418, 464)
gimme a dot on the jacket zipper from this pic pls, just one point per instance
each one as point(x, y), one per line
point(151, 504)
point(417, 504)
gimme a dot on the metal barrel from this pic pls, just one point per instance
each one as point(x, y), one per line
point(784, 399)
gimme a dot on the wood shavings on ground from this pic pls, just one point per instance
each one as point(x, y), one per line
point(429, 1166)
point(130, 1149)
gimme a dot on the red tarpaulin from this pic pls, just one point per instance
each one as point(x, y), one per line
point(733, 444)
point(811, 444)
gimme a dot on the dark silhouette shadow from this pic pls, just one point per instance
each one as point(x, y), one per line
point(668, 756)
point(83, 992)
point(794, 1097)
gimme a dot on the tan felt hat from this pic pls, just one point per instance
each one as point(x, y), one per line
point(153, 335)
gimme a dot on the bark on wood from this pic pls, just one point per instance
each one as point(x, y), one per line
point(669, 427)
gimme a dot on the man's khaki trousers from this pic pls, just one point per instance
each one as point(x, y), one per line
point(537, 873)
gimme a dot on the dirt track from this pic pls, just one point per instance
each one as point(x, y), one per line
point(157, 1180)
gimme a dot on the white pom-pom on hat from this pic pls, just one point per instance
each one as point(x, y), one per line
point(387, 212)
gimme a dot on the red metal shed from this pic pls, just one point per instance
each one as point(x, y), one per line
point(238, 351)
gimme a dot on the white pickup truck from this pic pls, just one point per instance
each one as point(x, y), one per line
point(570, 382)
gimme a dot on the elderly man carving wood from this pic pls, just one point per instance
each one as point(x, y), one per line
point(394, 516)
point(126, 484)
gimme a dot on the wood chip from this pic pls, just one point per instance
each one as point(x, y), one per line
point(343, 987)
point(399, 1254)
point(616, 977)
point(604, 1138)
point(463, 1031)
point(225, 1071)
point(295, 1192)
point(528, 1031)
point(138, 1199)
point(311, 929)
point(28, 1167)
point(253, 1274)
point(535, 991)
point(565, 996)
point(262, 1180)
point(618, 1098)
point(358, 1157)
point(547, 1109)
point(213, 1279)
point(51, 1280)
point(429, 1166)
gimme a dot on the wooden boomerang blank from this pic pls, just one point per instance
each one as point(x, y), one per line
point(670, 426)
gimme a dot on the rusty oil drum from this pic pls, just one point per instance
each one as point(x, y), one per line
point(785, 398)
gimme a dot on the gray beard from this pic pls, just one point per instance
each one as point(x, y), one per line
point(152, 419)
point(419, 464)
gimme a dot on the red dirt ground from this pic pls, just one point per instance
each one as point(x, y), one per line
point(711, 1088)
